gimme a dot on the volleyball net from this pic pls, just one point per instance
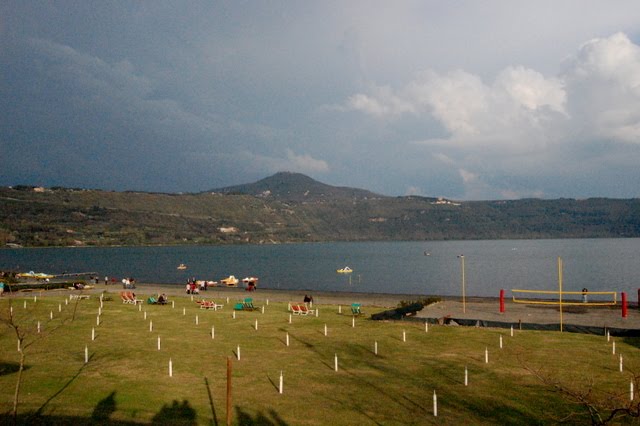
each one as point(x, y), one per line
point(544, 297)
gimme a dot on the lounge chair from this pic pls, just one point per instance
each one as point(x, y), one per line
point(304, 310)
point(132, 297)
point(248, 304)
point(210, 305)
point(355, 309)
point(239, 306)
point(296, 310)
point(152, 301)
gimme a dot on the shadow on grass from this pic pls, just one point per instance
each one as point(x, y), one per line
point(260, 419)
point(175, 414)
point(10, 368)
point(213, 408)
point(631, 341)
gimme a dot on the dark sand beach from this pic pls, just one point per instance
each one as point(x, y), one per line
point(475, 308)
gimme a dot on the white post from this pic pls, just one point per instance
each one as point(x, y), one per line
point(50, 314)
point(184, 311)
point(335, 362)
point(100, 311)
point(325, 330)
point(339, 309)
point(256, 326)
point(35, 298)
point(192, 297)
point(11, 310)
point(435, 404)
point(98, 320)
point(173, 304)
point(466, 376)
point(38, 326)
point(501, 341)
point(197, 320)
point(614, 347)
point(287, 339)
point(289, 318)
point(170, 368)
point(150, 325)
point(19, 348)
point(317, 312)
point(86, 354)
point(213, 332)
point(227, 299)
point(263, 309)
point(59, 307)
point(233, 314)
point(353, 322)
point(404, 336)
point(145, 315)
point(267, 302)
point(631, 390)
point(280, 388)
point(238, 353)
point(375, 347)
point(158, 342)
point(621, 363)
point(25, 304)
point(608, 336)
point(93, 333)
point(512, 331)
point(486, 355)
point(426, 327)
point(140, 307)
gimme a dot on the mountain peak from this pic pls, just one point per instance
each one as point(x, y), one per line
point(296, 187)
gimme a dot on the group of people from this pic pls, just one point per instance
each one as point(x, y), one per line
point(194, 287)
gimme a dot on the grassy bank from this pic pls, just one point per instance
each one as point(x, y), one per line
point(126, 379)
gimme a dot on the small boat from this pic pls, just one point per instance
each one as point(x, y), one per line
point(182, 267)
point(250, 280)
point(230, 281)
point(345, 270)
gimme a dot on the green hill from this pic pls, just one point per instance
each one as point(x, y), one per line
point(289, 207)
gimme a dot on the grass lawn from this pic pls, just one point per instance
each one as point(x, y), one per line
point(126, 379)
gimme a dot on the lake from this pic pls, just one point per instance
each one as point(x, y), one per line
point(426, 267)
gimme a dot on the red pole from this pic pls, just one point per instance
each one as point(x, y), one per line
point(624, 304)
point(502, 301)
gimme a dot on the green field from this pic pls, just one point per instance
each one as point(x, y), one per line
point(126, 379)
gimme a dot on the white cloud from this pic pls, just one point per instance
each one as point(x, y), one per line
point(305, 163)
point(522, 121)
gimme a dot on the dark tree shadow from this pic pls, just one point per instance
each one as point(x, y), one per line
point(10, 368)
point(213, 408)
point(104, 409)
point(273, 419)
point(176, 414)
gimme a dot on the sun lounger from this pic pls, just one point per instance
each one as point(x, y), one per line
point(296, 310)
point(355, 309)
point(304, 310)
point(205, 304)
point(248, 304)
point(152, 301)
point(129, 297)
point(239, 306)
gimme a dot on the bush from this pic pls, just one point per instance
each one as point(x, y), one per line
point(425, 301)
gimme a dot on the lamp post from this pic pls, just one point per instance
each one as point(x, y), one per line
point(464, 300)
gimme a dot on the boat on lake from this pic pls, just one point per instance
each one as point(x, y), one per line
point(182, 267)
point(230, 281)
point(345, 270)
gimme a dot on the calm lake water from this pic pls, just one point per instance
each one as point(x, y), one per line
point(380, 267)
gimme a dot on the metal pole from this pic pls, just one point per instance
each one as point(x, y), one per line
point(560, 288)
point(464, 299)
point(229, 368)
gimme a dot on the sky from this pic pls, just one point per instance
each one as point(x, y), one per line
point(468, 100)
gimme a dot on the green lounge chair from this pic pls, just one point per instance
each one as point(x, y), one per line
point(355, 309)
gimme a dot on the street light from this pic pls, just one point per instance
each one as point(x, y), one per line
point(464, 300)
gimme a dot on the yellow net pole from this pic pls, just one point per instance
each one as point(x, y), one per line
point(560, 287)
